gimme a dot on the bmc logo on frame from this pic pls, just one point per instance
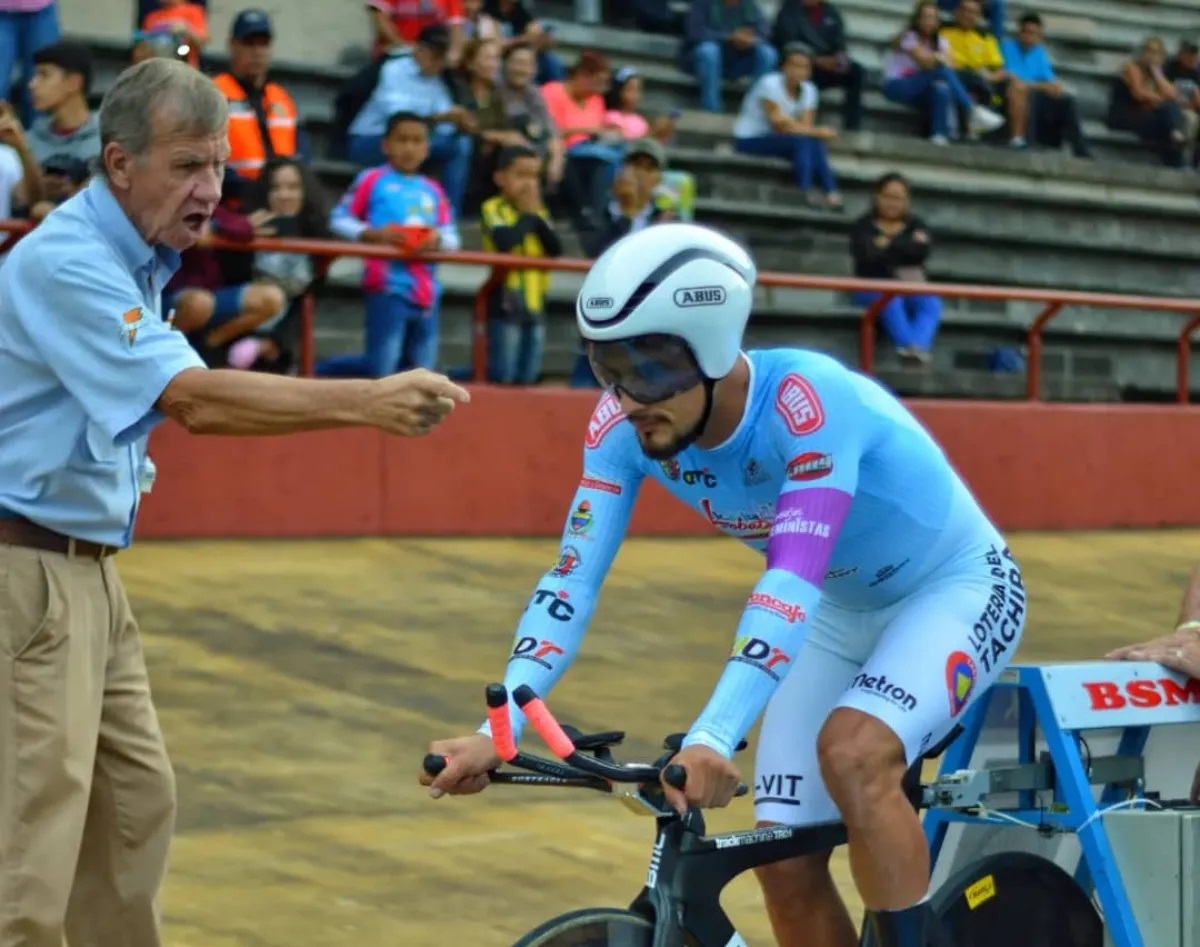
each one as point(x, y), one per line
point(1142, 694)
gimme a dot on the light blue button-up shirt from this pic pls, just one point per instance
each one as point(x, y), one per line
point(84, 356)
point(402, 87)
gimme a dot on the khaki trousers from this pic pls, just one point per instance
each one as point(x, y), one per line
point(87, 794)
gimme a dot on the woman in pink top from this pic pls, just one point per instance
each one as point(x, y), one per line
point(918, 72)
point(595, 146)
point(623, 109)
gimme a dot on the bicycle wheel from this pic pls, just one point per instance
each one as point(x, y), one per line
point(1017, 898)
point(592, 927)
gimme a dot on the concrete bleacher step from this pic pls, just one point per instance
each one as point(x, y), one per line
point(998, 218)
point(869, 35)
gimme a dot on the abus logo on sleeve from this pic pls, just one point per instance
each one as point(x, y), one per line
point(699, 296)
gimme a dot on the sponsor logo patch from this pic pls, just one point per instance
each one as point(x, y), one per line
point(798, 405)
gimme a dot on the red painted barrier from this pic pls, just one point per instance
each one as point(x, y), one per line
point(507, 464)
point(1053, 301)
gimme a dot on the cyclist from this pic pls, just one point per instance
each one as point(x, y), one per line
point(888, 604)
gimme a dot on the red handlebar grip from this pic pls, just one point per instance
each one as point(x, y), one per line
point(548, 729)
point(502, 736)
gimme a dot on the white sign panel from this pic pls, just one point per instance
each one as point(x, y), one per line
point(1092, 695)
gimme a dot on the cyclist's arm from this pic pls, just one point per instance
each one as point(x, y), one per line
point(808, 518)
point(556, 618)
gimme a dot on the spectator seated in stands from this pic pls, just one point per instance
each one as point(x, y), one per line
point(25, 27)
point(255, 102)
point(672, 193)
point(777, 119)
point(997, 14)
point(918, 71)
point(979, 63)
point(396, 205)
point(184, 21)
point(415, 84)
point(594, 146)
point(63, 176)
point(211, 314)
point(527, 110)
point(725, 39)
point(287, 192)
point(519, 24)
point(475, 89)
point(631, 207)
point(20, 173)
point(818, 26)
point(1145, 102)
point(515, 221)
point(889, 242)
point(1184, 72)
point(673, 190)
point(62, 79)
point(398, 24)
point(1053, 116)
point(478, 25)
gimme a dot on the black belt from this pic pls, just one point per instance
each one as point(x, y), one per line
point(18, 531)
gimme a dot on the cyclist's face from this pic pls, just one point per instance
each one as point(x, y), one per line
point(666, 427)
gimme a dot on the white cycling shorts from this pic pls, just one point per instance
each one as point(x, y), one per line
point(915, 665)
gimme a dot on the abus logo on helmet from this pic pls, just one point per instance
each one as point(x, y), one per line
point(599, 302)
point(699, 296)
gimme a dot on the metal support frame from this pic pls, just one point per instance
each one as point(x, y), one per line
point(1075, 809)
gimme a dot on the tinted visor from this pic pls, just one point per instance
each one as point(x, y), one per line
point(648, 368)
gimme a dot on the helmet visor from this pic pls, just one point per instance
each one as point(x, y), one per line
point(648, 368)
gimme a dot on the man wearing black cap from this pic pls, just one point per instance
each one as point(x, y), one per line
point(62, 78)
point(414, 84)
point(263, 122)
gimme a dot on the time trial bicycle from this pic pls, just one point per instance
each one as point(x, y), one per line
point(1003, 900)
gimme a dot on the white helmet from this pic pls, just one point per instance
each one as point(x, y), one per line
point(675, 279)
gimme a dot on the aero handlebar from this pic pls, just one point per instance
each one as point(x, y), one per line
point(576, 769)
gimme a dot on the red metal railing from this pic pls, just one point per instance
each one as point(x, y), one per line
point(1053, 301)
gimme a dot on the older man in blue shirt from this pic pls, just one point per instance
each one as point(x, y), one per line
point(1053, 115)
point(89, 367)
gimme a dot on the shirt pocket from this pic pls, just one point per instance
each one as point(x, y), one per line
point(98, 447)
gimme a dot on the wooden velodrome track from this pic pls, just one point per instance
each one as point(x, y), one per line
point(299, 683)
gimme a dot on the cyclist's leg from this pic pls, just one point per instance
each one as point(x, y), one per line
point(802, 901)
point(941, 648)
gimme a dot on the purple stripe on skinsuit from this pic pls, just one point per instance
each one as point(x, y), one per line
point(804, 531)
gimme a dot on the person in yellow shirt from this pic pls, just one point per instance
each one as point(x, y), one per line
point(980, 64)
point(515, 221)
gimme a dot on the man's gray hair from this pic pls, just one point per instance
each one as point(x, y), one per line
point(187, 98)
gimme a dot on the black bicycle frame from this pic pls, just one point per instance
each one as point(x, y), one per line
point(689, 870)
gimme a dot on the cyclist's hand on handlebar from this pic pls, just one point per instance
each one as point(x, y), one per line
point(712, 780)
point(468, 760)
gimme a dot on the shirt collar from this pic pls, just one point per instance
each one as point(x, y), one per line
point(121, 232)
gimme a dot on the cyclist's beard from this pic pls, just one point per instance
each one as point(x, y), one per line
point(682, 442)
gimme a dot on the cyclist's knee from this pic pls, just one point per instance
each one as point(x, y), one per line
point(795, 879)
point(861, 759)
